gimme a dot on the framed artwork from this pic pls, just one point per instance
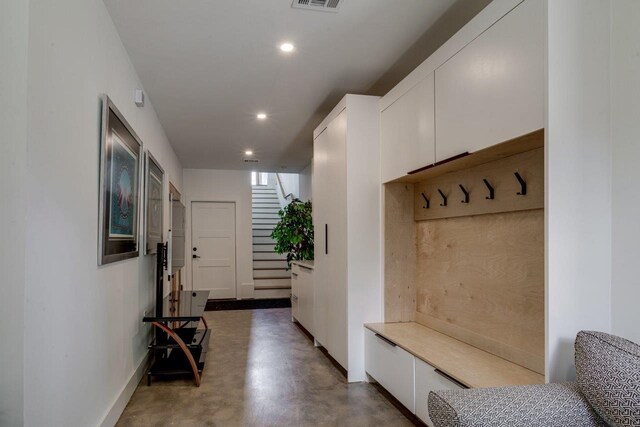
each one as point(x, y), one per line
point(120, 160)
point(153, 204)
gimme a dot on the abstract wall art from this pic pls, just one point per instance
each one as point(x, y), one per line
point(120, 159)
point(153, 204)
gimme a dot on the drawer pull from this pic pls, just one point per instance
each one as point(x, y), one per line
point(305, 267)
point(294, 297)
point(294, 274)
point(388, 341)
point(453, 380)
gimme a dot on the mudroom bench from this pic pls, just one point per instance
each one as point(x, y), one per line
point(409, 360)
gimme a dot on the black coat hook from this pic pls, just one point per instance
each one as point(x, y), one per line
point(426, 201)
point(491, 190)
point(523, 185)
point(466, 194)
point(444, 198)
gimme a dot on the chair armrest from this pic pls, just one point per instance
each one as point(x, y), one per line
point(543, 405)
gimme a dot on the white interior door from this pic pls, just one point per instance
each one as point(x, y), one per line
point(213, 252)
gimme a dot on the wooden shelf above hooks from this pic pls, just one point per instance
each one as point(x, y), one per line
point(521, 144)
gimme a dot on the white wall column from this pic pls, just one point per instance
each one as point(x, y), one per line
point(625, 133)
point(578, 177)
point(14, 37)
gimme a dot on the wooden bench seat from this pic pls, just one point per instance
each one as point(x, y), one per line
point(464, 363)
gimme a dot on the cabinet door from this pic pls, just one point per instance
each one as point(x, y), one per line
point(337, 239)
point(305, 286)
point(391, 366)
point(320, 187)
point(295, 292)
point(427, 379)
point(493, 89)
point(407, 135)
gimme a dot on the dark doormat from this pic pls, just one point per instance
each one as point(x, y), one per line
point(246, 304)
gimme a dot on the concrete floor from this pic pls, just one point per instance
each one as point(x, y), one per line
point(261, 371)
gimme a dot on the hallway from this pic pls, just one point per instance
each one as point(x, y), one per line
point(261, 371)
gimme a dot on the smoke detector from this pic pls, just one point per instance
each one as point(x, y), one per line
point(318, 5)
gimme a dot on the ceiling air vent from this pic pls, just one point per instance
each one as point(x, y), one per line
point(251, 160)
point(319, 5)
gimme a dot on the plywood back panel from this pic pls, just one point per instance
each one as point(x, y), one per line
point(499, 173)
point(399, 254)
point(481, 279)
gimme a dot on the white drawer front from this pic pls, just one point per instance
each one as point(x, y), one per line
point(295, 292)
point(427, 379)
point(305, 295)
point(391, 366)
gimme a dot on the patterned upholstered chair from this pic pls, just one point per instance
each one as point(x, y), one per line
point(607, 393)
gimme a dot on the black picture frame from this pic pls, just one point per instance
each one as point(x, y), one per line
point(153, 204)
point(120, 176)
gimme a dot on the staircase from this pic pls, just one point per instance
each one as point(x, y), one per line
point(270, 275)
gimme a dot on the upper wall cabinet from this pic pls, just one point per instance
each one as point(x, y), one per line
point(493, 89)
point(407, 132)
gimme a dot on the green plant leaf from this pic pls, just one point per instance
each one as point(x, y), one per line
point(294, 233)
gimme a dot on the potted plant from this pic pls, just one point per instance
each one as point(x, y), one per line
point(294, 233)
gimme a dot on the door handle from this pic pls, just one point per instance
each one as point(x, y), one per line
point(388, 341)
point(195, 256)
point(450, 378)
point(326, 239)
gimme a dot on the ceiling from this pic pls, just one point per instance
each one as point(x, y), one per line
point(209, 67)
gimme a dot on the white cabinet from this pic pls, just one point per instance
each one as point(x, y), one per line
point(407, 131)
point(295, 295)
point(493, 90)
point(321, 209)
point(428, 379)
point(407, 377)
point(346, 206)
point(335, 241)
point(302, 288)
point(391, 366)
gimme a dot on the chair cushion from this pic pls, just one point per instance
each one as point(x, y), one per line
point(541, 405)
point(608, 371)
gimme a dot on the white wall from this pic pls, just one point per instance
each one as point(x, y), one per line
point(578, 178)
point(207, 185)
point(14, 32)
point(290, 183)
point(84, 339)
point(305, 182)
point(625, 108)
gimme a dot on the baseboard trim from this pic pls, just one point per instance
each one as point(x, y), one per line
point(247, 304)
point(117, 407)
point(334, 362)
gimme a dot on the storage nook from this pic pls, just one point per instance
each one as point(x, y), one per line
point(462, 173)
point(464, 276)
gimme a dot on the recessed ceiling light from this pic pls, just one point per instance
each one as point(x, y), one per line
point(261, 116)
point(248, 153)
point(286, 47)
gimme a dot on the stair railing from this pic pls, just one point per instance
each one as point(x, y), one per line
point(287, 197)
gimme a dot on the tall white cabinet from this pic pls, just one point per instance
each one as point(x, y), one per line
point(346, 218)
